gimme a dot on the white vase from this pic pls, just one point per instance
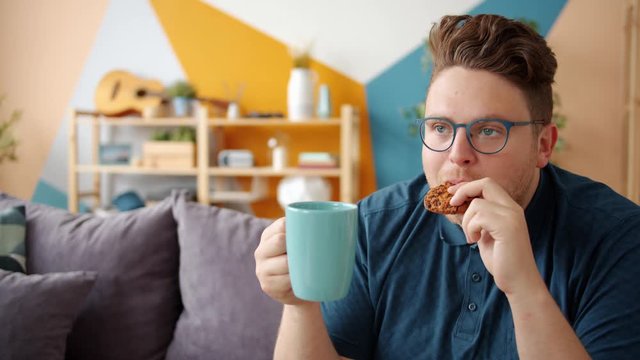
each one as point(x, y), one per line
point(300, 94)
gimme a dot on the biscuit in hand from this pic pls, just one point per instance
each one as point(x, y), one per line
point(438, 198)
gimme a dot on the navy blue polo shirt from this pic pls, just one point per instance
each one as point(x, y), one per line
point(419, 291)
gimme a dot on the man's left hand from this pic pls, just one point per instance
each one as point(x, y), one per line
point(497, 224)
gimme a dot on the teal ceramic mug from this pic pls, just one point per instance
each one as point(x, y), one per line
point(321, 245)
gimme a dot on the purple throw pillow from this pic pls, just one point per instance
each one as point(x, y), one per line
point(37, 312)
point(132, 310)
point(226, 315)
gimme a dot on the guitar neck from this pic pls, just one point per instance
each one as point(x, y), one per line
point(215, 102)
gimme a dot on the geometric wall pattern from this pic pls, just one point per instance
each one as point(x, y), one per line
point(369, 53)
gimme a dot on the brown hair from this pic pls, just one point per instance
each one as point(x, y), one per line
point(501, 46)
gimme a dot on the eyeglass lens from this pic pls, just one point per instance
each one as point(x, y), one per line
point(486, 136)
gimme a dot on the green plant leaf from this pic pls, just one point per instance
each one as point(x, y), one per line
point(8, 143)
point(181, 89)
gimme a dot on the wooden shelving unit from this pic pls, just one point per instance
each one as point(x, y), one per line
point(347, 172)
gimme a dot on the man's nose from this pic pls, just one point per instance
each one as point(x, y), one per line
point(461, 152)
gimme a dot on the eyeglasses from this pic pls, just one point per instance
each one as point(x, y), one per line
point(486, 136)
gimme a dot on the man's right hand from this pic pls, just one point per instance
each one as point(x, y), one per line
point(272, 268)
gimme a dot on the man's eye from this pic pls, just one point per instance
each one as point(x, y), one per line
point(491, 131)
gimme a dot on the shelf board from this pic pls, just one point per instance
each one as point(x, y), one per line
point(142, 122)
point(269, 171)
point(234, 196)
point(89, 117)
point(273, 122)
point(265, 171)
point(127, 169)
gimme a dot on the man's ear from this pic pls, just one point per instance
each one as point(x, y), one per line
point(546, 142)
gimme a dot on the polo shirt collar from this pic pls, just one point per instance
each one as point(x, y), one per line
point(540, 211)
point(449, 232)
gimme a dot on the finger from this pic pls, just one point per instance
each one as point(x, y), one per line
point(270, 247)
point(278, 265)
point(276, 286)
point(480, 215)
point(484, 188)
point(453, 188)
point(277, 226)
point(470, 224)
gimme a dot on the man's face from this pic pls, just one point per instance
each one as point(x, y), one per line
point(462, 95)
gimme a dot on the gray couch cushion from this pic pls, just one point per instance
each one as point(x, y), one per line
point(135, 303)
point(226, 315)
point(37, 312)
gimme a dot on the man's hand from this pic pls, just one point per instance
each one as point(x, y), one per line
point(302, 334)
point(272, 268)
point(497, 224)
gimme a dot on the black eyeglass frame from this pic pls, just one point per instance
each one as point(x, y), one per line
point(506, 123)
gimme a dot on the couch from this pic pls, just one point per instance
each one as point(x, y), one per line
point(175, 280)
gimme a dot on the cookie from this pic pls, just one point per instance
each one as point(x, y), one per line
point(437, 201)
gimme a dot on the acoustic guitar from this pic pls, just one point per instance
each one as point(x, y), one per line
point(121, 93)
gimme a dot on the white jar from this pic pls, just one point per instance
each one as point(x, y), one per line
point(279, 158)
point(300, 94)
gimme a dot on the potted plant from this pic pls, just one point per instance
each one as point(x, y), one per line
point(181, 93)
point(300, 86)
point(8, 142)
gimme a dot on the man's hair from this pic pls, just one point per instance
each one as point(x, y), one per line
point(501, 46)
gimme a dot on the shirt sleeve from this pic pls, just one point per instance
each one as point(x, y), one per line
point(608, 316)
point(350, 320)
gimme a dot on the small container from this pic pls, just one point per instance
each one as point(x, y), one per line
point(279, 157)
point(324, 102)
point(233, 111)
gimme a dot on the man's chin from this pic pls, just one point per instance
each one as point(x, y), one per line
point(456, 219)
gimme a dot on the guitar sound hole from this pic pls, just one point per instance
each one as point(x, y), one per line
point(114, 91)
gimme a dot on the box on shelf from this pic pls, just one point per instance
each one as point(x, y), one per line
point(169, 154)
point(235, 158)
point(115, 154)
point(317, 160)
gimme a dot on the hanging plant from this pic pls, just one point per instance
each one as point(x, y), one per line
point(8, 142)
point(412, 114)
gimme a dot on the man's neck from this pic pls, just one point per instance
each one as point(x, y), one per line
point(532, 189)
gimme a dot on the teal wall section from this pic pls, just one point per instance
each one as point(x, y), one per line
point(49, 195)
point(396, 152)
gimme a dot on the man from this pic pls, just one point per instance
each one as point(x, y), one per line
point(543, 264)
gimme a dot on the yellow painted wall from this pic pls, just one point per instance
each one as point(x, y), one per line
point(215, 48)
point(44, 45)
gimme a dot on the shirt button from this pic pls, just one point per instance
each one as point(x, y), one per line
point(475, 277)
point(472, 307)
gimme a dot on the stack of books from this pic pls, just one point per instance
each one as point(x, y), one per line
point(317, 160)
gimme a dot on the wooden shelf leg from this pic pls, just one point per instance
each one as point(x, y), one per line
point(72, 191)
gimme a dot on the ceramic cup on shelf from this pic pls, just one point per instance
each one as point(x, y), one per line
point(181, 106)
point(321, 241)
point(324, 102)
